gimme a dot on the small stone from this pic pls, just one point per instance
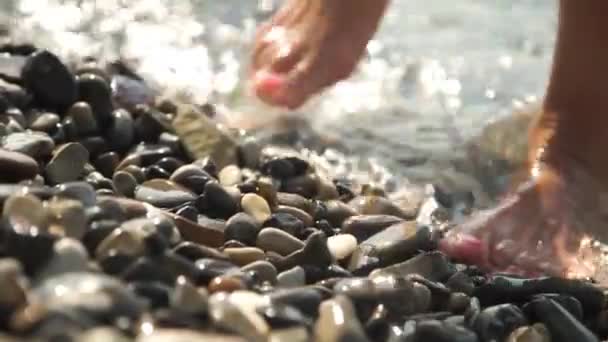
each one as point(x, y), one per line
point(106, 163)
point(14, 284)
point(338, 212)
point(218, 202)
point(365, 226)
point(458, 302)
point(34, 144)
point(163, 193)
point(278, 241)
point(306, 185)
point(50, 80)
point(231, 316)
point(202, 232)
point(535, 333)
point(121, 241)
point(498, 322)
point(314, 253)
point(94, 90)
point(103, 335)
point(244, 256)
point(264, 271)
point(44, 122)
point(15, 166)
point(26, 211)
point(434, 330)
point(293, 277)
point(376, 205)
point(248, 300)
point(80, 191)
point(68, 216)
point(286, 222)
point(124, 183)
point(121, 133)
point(83, 119)
point(305, 299)
point(192, 177)
point(69, 256)
point(256, 206)
point(230, 175)
point(338, 322)
point(243, 228)
point(188, 298)
point(341, 246)
point(461, 282)
point(195, 251)
point(202, 138)
point(296, 201)
point(67, 163)
point(183, 335)
point(562, 325)
point(250, 152)
point(296, 334)
point(300, 214)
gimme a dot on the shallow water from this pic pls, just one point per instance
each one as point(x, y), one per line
point(437, 70)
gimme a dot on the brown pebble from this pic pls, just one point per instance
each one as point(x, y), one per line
point(225, 284)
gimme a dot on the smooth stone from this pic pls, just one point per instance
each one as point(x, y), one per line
point(305, 299)
point(296, 201)
point(562, 325)
point(244, 256)
point(124, 183)
point(191, 176)
point(15, 166)
point(393, 245)
point(80, 191)
point(299, 213)
point(67, 217)
point(432, 265)
point(242, 227)
point(306, 185)
point(34, 144)
point(232, 317)
point(248, 300)
point(121, 241)
point(218, 202)
point(423, 297)
point(376, 205)
point(121, 134)
point(338, 322)
point(183, 335)
point(341, 246)
point(250, 152)
point(458, 302)
point(338, 212)
point(437, 331)
point(102, 335)
point(365, 226)
point(499, 321)
point(14, 284)
point(44, 122)
point(314, 253)
point(69, 255)
point(101, 295)
point(534, 333)
point(286, 222)
point(188, 298)
point(327, 190)
point(202, 138)
point(204, 232)
point(163, 193)
point(256, 206)
point(94, 90)
point(296, 334)
point(83, 119)
point(106, 163)
point(226, 283)
point(27, 211)
point(67, 164)
point(461, 282)
point(293, 277)
point(276, 240)
point(150, 123)
point(264, 271)
point(230, 175)
point(170, 164)
point(49, 80)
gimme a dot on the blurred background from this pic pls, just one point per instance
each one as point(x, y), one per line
point(437, 74)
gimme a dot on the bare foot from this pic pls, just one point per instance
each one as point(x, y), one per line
point(545, 226)
point(310, 45)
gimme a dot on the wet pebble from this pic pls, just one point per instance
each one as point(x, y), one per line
point(242, 227)
point(15, 166)
point(233, 317)
point(49, 79)
point(163, 193)
point(34, 144)
point(365, 226)
point(263, 270)
point(293, 277)
point(278, 241)
point(338, 322)
point(341, 246)
point(256, 206)
point(67, 164)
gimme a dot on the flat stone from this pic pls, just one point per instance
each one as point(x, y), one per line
point(163, 193)
point(34, 144)
point(244, 256)
point(15, 166)
point(293, 277)
point(67, 163)
point(276, 240)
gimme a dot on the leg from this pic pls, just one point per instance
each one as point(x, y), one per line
point(544, 224)
point(310, 45)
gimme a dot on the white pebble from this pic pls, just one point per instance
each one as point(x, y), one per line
point(256, 206)
point(341, 246)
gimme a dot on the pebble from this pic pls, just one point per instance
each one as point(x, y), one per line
point(338, 322)
point(95, 91)
point(121, 133)
point(338, 212)
point(264, 270)
point(66, 217)
point(534, 333)
point(432, 265)
point(124, 183)
point(245, 255)
point(377, 205)
point(67, 164)
point(34, 144)
point(365, 226)
point(286, 222)
point(69, 255)
point(27, 211)
point(561, 324)
point(14, 284)
point(434, 330)
point(218, 202)
point(16, 166)
point(163, 193)
point(314, 253)
point(233, 317)
point(297, 334)
point(341, 246)
point(498, 322)
point(83, 119)
point(256, 206)
point(230, 175)
point(184, 335)
point(243, 228)
point(188, 298)
point(293, 277)
point(278, 241)
point(296, 201)
point(49, 80)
